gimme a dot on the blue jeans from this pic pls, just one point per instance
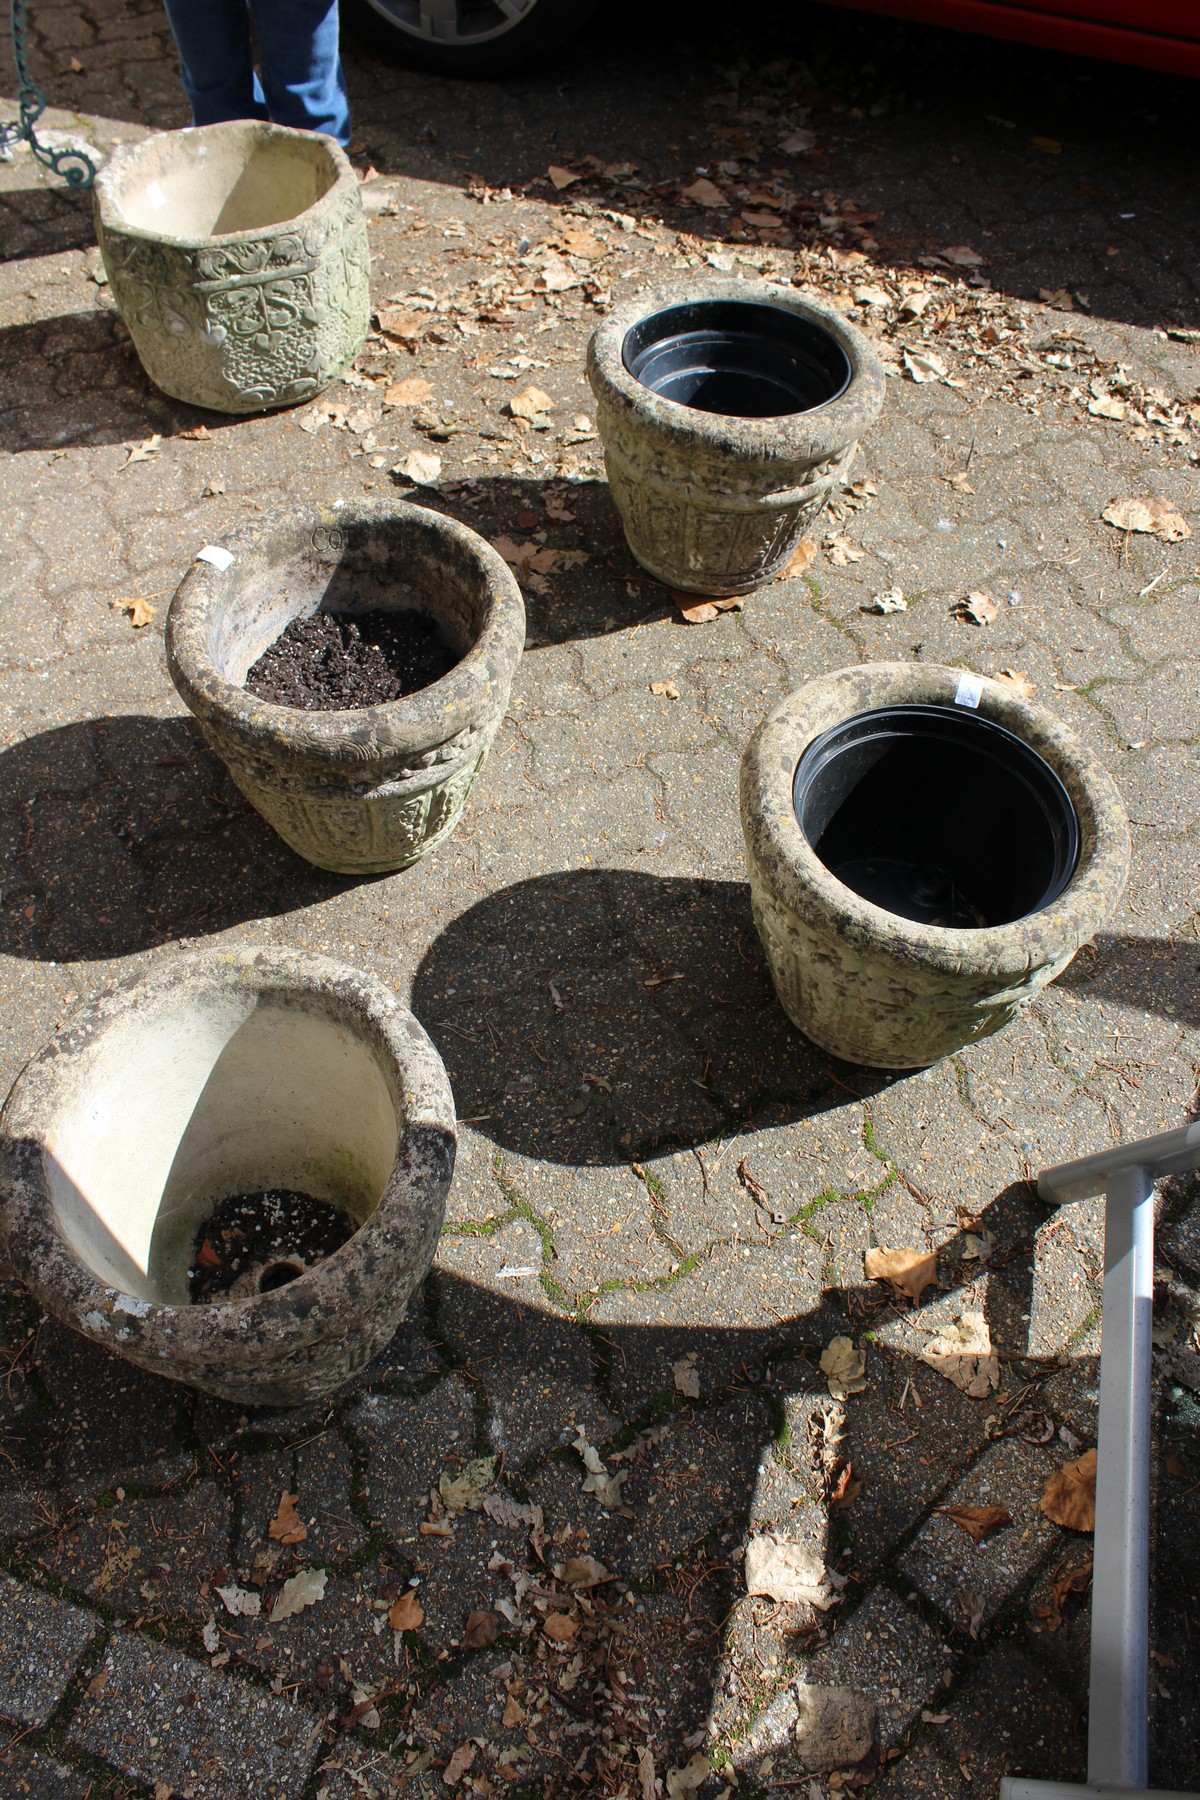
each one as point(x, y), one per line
point(302, 82)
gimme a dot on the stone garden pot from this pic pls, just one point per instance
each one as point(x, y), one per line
point(229, 1073)
point(926, 851)
point(370, 789)
point(729, 412)
point(237, 255)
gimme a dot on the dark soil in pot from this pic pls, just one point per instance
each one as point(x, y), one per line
point(254, 1243)
point(331, 662)
point(737, 358)
point(937, 815)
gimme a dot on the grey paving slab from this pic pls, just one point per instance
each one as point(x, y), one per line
point(888, 1651)
point(44, 1639)
point(30, 1774)
point(161, 1717)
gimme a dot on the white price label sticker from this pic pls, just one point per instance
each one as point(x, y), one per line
point(215, 554)
point(970, 690)
point(156, 197)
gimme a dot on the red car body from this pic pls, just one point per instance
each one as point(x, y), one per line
point(1157, 34)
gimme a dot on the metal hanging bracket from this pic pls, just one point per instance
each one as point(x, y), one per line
point(74, 165)
point(1118, 1701)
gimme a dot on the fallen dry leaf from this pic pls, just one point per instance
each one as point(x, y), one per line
point(303, 1590)
point(582, 243)
point(1075, 1581)
point(1157, 517)
point(681, 1782)
point(962, 1352)
point(924, 365)
point(138, 607)
point(1018, 681)
point(562, 178)
point(482, 1629)
point(979, 1522)
point(687, 1379)
point(787, 1571)
point(421, 467)
point(557, 276)
point(753, 1185)
point(1070, 1496)
point(843, 551)
point(559, 1627)
point(459, 1763)
point(664, 690)
point(530, 403)
point(402, 323)
point(408, 392)
point(890, 601)
point(958, 481)
point(406, 1613)
point(702, 612)
point(976, 609)
point(962, 256)
point(1047, 145)
point(704, 193)
point(144, 451)
point(796, 142)
point(582, 1571)
point(465, 1492)
point(801, 556)
point(240, 1601)
point(514, 1713)
point(909, 1271)
point(844, 1368)
point(646, 1777)
point(287, 1527)
point(197, 434)
point(1107, 406)
point(606, 1487)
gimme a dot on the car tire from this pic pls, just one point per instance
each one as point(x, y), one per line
point(479, 37)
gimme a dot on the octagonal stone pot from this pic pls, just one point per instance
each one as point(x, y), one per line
point(223, 1074)
point(368, 789)
point(729, 412)
point(1035, 821)
point(237, 256)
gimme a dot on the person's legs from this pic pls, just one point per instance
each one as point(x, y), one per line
point(301, 69)
point(213, 40)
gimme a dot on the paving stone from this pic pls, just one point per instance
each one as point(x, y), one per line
point(409, 1441)
point(44, 1639)
point(1012, 1717)
point(146, 1558)
point(885, 1650)
point(160, 1717)
point(30, 1774)
point(972, 1581)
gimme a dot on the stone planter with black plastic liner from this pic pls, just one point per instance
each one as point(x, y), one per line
point(368, 789)
point(920, 866)
point(229, 1073)
point(729, 411)
point(237, 256)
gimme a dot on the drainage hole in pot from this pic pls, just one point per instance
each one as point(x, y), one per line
point(333, 661)
point(254, 1243)
point(937, 816)
point(738, 358)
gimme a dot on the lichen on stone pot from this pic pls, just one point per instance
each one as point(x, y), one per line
point(368, 789)
point(237, 256)
point(729, 412)
point(229, 1074)
point(925, 851)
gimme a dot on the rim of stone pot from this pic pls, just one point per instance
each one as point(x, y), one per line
point(812, 891)
point(126, 156)
point(291, 1317)
point(351, 736)
point(807, 436)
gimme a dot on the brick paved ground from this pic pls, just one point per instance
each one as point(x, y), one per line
point(582, 952)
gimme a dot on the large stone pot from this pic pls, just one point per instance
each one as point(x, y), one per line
point(229, 1073)
point(237, 255)
point(729, 411)
point(368, 789)
point(977, 845)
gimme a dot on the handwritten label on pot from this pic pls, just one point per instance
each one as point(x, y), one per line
point(156, 197)
point(214, 554)
point(970, 690)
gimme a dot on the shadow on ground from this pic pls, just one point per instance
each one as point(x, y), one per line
point(594, 1016)
point(1155, 975)
point(121, 833)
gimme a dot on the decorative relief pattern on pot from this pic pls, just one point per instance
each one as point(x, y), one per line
point(245, 326)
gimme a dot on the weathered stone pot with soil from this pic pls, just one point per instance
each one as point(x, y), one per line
point(237, 255)
point(230, 1073)
point(926, 851)
point(367, 789)
point(729, 411)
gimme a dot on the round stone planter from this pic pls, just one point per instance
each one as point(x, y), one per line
point(729, 411)
point(224, 1074)
point(371, 789)
point(237, 256)
point(976, 843)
